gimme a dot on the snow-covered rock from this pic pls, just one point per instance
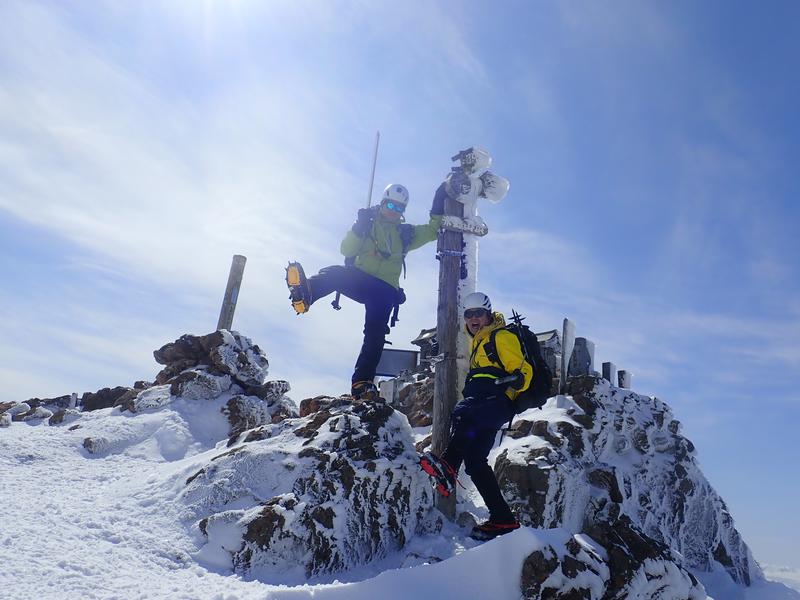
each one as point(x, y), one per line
point(64, 416)
point(199, 384)
point(248, 412)
point(615, 562)
point(152, 398)
point(222, 353)
point(610, 454)
point(29, 411)
point(309, 496)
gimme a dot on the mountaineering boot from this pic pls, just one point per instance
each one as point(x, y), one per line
point(299, 292)
point(443, 474)
point(490, 530)
point(364, 390)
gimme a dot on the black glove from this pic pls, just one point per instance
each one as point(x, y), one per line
point(519, 380)
point(457, 183)
point(363, 223)
point(437, 208)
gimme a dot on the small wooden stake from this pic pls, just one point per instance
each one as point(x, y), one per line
point(231, 292)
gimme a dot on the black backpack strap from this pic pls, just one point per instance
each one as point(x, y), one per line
point(490, 347)
point(406, 236)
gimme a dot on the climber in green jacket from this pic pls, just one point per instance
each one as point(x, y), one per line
point(374, 248)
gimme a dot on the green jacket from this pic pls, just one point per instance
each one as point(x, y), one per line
point(381, 252)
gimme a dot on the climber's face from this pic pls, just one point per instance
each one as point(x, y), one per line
point(392, 211)
point(476, 319)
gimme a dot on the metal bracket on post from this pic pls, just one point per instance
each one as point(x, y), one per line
point(231, 292)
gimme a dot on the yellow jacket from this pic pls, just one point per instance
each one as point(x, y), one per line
point(509, 351)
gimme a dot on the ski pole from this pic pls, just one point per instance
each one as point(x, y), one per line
point(335, 304)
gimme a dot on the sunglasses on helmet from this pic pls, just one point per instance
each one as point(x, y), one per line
point(396, 206)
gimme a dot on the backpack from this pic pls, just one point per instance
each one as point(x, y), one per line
point(539, 390)
point(406, 232)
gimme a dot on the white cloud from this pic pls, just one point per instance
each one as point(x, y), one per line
point(163, 188)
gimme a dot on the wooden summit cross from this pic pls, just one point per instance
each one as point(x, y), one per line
point(458, 262)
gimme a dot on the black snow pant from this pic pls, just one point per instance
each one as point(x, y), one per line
point(475, 423)
point(378, 298)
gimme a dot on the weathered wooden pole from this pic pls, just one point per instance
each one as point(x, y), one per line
point(450, 252)
point(231, 292)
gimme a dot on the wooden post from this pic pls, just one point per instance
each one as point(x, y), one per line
point(231, 292)
point(447, 323)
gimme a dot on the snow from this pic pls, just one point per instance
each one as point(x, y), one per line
point(108, 524)
point(785, 575)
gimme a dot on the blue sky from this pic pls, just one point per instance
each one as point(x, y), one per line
point(651, 149)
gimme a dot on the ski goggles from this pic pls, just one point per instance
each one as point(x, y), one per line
point(396, 207)
point(475, 313)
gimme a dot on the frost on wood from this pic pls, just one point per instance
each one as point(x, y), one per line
point(336, 489)
point(615, 454)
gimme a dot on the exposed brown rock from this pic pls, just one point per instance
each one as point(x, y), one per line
point(104, 398)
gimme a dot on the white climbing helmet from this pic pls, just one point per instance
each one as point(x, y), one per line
point(395, 192)
point(477, 300)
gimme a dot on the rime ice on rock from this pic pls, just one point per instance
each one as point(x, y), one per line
point(325, 493)
point(221, 353)
point(614, 455)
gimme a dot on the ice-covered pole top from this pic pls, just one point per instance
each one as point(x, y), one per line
point(469, 181)
point(472, 179)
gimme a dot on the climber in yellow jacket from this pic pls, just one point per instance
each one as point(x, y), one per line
point(483, 411)
point(374, 249)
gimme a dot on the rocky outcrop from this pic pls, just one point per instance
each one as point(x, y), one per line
point(611, 454)
point(304, 497)
point(309, 406)
point(615, 562)
point(220, 353)
point(250, 411)
point(31, 410)
point(220, 365)
point(224, 368)
point(63, 416)
point(106, 398)
point(416, 402)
